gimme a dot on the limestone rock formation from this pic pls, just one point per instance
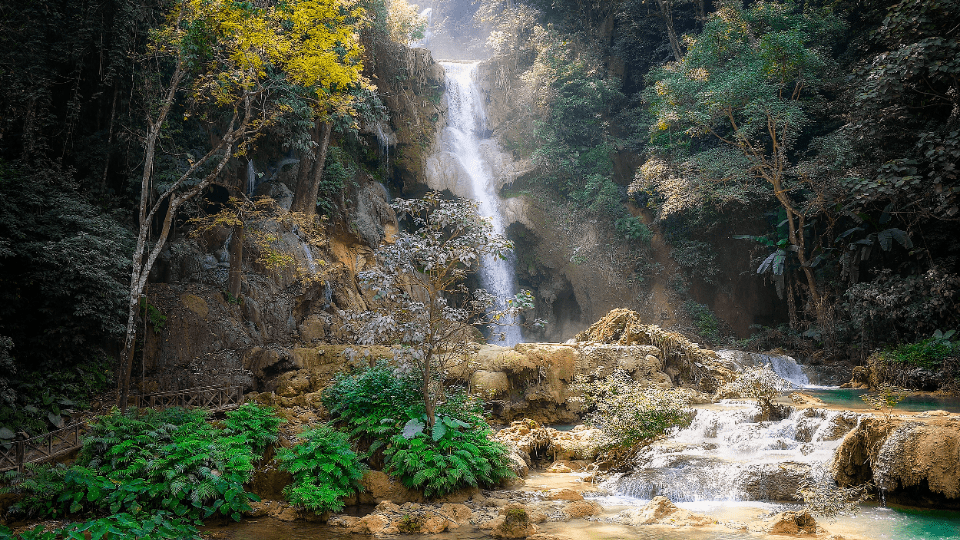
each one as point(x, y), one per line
point(916, 460)
point(794, 523)
point(662, 511)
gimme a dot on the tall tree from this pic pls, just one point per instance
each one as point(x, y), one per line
point(225, 63)
point(739, 98)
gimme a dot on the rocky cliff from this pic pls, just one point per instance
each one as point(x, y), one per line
point(914, 461)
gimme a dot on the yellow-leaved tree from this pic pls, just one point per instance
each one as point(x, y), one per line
point(224, 64)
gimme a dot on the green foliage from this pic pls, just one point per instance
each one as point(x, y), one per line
point(705, 321)
point(63, 263)
point(255, 424)
point(696, 257)
point(928, 353)
point(575, 144)
point(324, 468)
point(634, 229)
point(371, 403)
point(885, 398)
point(153, 315)
point(167, 463)
point(158, 525)
point(448, 459)
point(628, 412)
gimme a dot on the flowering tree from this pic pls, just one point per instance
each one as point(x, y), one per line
point(427, 311)
point(228, 63)
point(629, 412)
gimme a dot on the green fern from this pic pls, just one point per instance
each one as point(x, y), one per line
point(455, 461)
point(324, 469)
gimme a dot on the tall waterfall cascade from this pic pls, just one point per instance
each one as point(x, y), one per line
point(463, 140)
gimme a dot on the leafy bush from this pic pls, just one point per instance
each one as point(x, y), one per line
point(257, 425)
point(628, 412)
point(168, 462)
point(449, 459)
point(371, 403)
point(324, 468)
point(928, 353)
point(706, 322)
point(155, 526)
point(634, 229)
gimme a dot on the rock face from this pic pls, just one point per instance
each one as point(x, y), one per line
point(915, 461)
point(661, 511)
point(795, 523)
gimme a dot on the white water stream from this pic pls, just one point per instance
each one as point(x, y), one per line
point(462, 136)
point(726, 455)
point(784, 366)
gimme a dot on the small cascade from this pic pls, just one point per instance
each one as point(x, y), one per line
point(784, 366)
point(725, 455)
point(251, 178)
point(465, 126)
point(383, 141)
point(307, 252)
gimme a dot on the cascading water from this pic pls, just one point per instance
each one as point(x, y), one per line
point(463, 133)
point(725, 455)
point(784, 366)
point(251, 178)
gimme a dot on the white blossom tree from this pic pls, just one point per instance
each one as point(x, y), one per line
point(426, 311)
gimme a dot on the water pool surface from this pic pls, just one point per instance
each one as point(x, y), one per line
point(917, 402)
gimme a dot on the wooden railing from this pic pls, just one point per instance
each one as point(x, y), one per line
point(63, 441)
point(42, 447)
point(213, 398)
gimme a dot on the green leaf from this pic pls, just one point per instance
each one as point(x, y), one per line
point(412, 428)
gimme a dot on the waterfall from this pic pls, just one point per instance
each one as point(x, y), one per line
point(465, 126)
point(724, 455)
point(383, 141)
point(251, 178)
point(784, 366)
point(307, 252)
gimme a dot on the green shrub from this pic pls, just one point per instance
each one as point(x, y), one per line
point(634, 229)
point(371, 403)
point(705, 321)
point(324, 468)
point(449, 459)
point(257, 425)
point(928, 353)
point(168, 462)
point(158, 525)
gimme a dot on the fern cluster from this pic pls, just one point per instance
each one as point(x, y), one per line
point(371, 404)
point(168, 462)
point(158, 525)
point(324, 467)
point(257, 425)
point(439, 465)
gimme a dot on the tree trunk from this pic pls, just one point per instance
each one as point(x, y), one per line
point(666, 13)
point(173, 199)
point(305, 196)
point(236, 261)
